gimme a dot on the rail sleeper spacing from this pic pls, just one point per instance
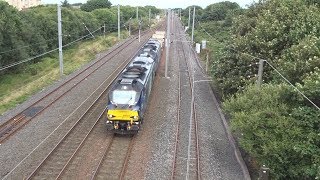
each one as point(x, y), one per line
point(130, 93)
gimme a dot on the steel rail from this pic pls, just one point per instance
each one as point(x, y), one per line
point(126, 62)
point(107, 149)
point(12, 125)
point(194, 121)
point(79, 146)
point(177, 128)
point(124, 163)
point(126, 160)
point(72, 128)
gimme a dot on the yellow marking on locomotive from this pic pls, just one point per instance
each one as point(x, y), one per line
point(123, 115)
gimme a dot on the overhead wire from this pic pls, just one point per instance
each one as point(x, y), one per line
point(292, 84)
point(22, 47)
point(50, 51)
point(258, 58)
point(26, 60)
point(66, 45)
point(42, 54)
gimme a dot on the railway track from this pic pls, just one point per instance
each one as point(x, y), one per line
point(67, 149)
point(12, 125)
point(113, 163)
point(186, 164)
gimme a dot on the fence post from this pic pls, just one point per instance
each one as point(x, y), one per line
point(260, 72)
point(264, 173)
point(207, 61)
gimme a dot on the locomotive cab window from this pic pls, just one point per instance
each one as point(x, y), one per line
point(124, 97)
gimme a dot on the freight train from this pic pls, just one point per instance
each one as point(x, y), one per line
point(128, 98)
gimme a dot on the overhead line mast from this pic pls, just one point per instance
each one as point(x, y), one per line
point(118, 21)
point(60, 40)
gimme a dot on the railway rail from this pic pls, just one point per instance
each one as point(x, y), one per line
point(61, 157)
point(184, 161)
point(55, 163)
point(114, 163)
point(12, 125)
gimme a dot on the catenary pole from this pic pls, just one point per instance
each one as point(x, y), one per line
point(130, 27)
point(118, 21)
point(260, 72)
point(167, 43)
point(137, 13)
point(149, 16)
point(194, 12)
point(104, 30)
point(139, 29)
point(189, 17)
point(60, 40)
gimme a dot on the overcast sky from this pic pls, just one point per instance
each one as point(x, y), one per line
point(160, 3)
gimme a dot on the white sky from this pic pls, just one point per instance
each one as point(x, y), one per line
point(160, 3)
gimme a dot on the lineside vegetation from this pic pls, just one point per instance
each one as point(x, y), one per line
point(31, 32)
point(274, 124)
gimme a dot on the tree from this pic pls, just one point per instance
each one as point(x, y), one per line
point(277, 126)
point(219, 11)
point(107, 17)
point(65, 3)
point(95, 4)
point(283, 32)
point(15, 36)
point(276, 132)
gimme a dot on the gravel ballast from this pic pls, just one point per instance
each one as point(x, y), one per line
point(16, 148)
point(153, 151)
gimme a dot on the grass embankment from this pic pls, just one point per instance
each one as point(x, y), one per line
point(16, 88)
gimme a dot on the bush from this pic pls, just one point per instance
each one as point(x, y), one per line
point(276, 132)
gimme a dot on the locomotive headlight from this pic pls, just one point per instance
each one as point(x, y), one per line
point(110, 116)
point(135, 117)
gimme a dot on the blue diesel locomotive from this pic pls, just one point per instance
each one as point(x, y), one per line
point(129, 95)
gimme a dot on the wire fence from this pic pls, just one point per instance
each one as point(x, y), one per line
point(267, 62)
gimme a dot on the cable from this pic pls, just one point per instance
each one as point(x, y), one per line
point(29, 59)
point(66, 45)
point(268, 64)
point(22, 47)
point(291, 84)
point(26, 60)
point(34, 57)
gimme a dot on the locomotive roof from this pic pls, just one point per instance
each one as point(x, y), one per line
point(137, 72)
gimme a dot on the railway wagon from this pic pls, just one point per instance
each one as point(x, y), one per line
point(128, 98)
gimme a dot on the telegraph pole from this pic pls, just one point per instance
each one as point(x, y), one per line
point(104, 30)
point(260, 72)
point(194, 13)
point(118, 21)
point(130, 27)
point(189, 17)
point(168, 43)
point(60, 40)
point(149, 17)
point(137, 13)
point(139, 29)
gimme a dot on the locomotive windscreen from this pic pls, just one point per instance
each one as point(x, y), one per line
point(124, 97)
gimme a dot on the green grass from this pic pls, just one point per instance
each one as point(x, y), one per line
point(15, 88)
